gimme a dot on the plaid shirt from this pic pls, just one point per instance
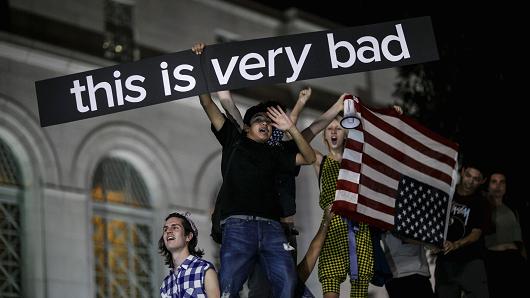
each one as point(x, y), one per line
point(187, 280)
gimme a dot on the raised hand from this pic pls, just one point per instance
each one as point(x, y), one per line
point(398, 109)
point(198, 48)
point(280, 120)
point(304, 95)
point(340, 101)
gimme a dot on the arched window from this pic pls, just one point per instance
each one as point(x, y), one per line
point(122, 235)
point(10, 230)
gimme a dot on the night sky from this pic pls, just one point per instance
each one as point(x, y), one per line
point(478, 48)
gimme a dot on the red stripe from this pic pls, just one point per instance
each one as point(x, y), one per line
point(405, 138)
point(344, 208)
point(349, 210)
point(353, 145)
point(376, 186)
point(362, 200)
point(405, 159)
point(380, 167)
point(374, 222)
point(350, 165)
point(347, 186)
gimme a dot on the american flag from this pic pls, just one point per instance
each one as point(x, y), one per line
point(397, 175)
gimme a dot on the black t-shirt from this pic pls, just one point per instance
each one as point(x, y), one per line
point(467, 213)
point(249, 184)
point(285, 183)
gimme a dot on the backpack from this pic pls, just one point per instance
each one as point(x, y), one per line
point(216, 232)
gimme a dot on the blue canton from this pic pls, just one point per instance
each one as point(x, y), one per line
point(421, 211)
point(187, 280)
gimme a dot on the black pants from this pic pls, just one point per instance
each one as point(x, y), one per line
point(507, 274)
point(410, 286)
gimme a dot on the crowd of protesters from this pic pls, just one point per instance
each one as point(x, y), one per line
point(482, 256)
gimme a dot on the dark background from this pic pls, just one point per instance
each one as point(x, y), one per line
point(472, 94)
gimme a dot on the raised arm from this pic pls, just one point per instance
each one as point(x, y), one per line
point(324, 120)
point(228, 104)
point(212, 110)
point(303, 97)
point(307, 264)
point(282, 122)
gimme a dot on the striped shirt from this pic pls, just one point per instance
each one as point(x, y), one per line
point(187, 280)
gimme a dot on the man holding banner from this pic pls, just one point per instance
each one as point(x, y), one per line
point(250, 211)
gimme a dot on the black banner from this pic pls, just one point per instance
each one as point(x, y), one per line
point(266, 61)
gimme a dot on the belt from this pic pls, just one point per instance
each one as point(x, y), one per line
point(247, 217)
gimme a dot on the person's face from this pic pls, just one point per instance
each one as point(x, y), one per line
point(334, 135)
point(174, 234)
point(471, 179)
point(260, 129)
point(497, 185)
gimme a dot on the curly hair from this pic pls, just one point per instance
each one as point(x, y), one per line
point(189, 227)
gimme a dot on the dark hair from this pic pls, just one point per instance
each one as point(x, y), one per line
point(474, 164)
point(493, 171)
point(273, 103)
point(189, 227)
point(260, 108)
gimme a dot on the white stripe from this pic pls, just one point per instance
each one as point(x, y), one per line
point(361, 209)
point(350, 197)
point(405, 169)
point(350, 176)
point(352, 155)
point(379, 177)
point(406, 149)
point(377, 196)
point(418, 136)
point(356, 135)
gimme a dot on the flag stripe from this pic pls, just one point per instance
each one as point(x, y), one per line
point(419, 140)
point(400, 121)
point(395, 172)
point(347, 185)
point(351, 165)
point(353, 145)
point(345, 208)
point(362, 200)
point(350, 176)
point(405, 169)
point(370, 183)
point(378, 197)
point(379, 176)
point(375, 214)
point(407, 148)
point(407, 160)
point(424, 139)
point(380, 167)
point(347, 196)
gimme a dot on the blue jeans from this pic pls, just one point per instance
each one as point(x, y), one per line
point(247, 241)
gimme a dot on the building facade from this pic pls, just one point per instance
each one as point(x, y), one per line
point(82, 203)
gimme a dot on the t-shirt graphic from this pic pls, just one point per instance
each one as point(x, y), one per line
point(459, 219)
